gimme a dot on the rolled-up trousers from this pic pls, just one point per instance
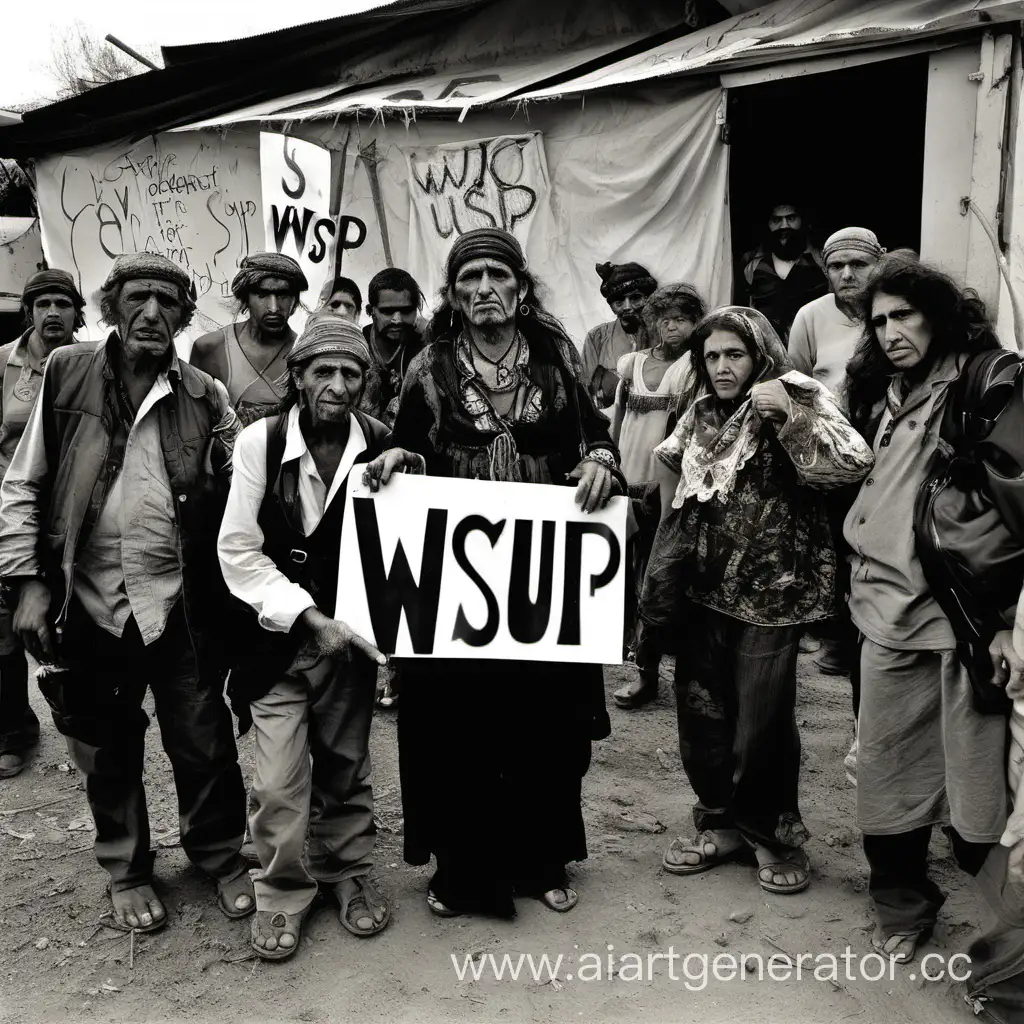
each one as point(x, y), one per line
point(312, 778)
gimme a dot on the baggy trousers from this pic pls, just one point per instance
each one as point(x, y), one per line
point(925, 757)
point(312, 777)
point(736, 706)
point(97, 705)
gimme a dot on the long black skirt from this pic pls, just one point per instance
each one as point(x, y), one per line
point(492, 756)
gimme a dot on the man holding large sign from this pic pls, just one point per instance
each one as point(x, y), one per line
point(493, 752)
point(305, 681)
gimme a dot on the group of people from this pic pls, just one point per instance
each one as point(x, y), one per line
point(171, 525)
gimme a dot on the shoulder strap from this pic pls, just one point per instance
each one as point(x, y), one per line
point(980, 394)
point(277, 431)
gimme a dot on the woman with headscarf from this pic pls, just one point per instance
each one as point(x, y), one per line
point(493, 753)
point(742, 561)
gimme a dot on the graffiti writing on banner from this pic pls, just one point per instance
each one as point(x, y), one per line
point(310, 234)
point(489, 183)
point(186, 202)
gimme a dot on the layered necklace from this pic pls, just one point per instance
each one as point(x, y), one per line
point(502, 374)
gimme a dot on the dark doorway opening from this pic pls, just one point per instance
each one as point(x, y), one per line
point(847, 144)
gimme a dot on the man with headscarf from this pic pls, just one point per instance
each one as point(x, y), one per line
point(785, 271)
point(826, 330)
point(743, 558)
point(626, 288)
point(307, 680)
point(108, 517)
point(493, 753)
point(822, 339)
point(248, 358)
point(52, 307)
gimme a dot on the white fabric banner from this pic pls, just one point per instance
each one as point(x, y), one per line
point(501, 182)
point(442, 568)
point(296, 180)
point(193, 197)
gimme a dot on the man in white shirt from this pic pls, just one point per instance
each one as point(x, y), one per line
point(307, 679)
point(107, 532)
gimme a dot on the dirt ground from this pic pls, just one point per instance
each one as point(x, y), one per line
point(58, 964)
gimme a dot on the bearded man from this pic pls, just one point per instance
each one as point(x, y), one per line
point(108, 518)
point(307, 682)
point(52, 307)
point(248, 358)
point(785, 271)
point(626, 287)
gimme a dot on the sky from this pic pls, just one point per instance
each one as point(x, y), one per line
point(28, 30)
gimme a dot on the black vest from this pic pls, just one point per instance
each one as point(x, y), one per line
point(311, 562)
point(262, 657)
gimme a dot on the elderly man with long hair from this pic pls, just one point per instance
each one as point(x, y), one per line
point(493, 753)
point(931, 751)
point(108, 536)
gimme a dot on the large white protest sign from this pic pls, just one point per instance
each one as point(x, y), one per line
point(441, 568)
point(488, 183)
point(296, 180)
point(194, 198)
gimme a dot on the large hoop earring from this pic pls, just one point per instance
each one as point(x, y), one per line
point(524, 310)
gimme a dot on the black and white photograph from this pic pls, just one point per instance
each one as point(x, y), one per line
point(512, 511)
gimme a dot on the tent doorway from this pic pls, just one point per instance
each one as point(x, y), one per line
point(849, 144)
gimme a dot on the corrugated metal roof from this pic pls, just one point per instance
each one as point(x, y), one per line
point(323, 62)
point(787, 29)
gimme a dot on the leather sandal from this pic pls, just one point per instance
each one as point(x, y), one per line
point(801, 867)
point(229, 889)
point(564, 906)
point(278, 923)
point(112, 918)
point(438, 907)
point(361, 894)
point(905, 948)
point(707, 860)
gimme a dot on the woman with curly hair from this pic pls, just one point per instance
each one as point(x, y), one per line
point(927, 756)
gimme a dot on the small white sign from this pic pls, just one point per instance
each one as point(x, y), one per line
point(432, 567)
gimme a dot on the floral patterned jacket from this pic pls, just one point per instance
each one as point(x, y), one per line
point(748, 533)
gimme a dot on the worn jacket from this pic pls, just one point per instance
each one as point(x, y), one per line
point(50, 498)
